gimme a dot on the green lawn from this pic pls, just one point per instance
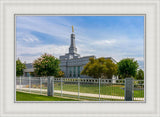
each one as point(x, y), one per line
point(20, 96)
point(105, 89)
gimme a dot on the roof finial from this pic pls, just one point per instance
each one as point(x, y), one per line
point(72, 29)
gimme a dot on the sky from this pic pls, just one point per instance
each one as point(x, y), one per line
point(118, 37)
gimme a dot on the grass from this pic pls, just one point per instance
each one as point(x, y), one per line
point(20, 96)
point(105, 89)
point(93, 88)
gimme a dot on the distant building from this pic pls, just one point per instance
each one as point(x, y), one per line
point(71, 63)
point(29, 70)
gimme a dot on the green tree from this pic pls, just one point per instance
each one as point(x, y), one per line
point(19, 68)
point(127, 68)
point(140, 74)
point(100, 68)
point(46, 65)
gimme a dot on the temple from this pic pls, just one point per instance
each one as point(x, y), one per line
point(72, 63)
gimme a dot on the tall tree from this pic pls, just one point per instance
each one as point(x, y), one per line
point(19, 68)
point(127, 67)
point(46, 65)
point(140, 74)
point(100, 68)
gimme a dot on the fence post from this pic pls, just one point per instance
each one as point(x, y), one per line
point(50, 86)
point(99, 88)
point(20, 82)
point(78, 87)
point(40, 85)
point(128, 89)
point(132, 89)
point(61, 87)
point(29, 84)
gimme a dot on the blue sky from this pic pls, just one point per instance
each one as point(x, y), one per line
point(103, 36)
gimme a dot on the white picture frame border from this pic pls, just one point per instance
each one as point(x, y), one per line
point(9, 8)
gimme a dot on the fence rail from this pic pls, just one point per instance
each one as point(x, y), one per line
point(86, 89)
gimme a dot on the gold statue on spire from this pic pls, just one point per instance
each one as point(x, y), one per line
point(72, 29)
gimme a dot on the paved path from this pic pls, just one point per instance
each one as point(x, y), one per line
point(81, 94)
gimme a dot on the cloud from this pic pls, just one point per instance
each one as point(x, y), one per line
point(41, 25)
point(103, 42)
point(29, 54)
point(27, 37)
point(139, 58)
point(121, 47)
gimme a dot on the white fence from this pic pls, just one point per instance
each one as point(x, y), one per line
point(86, 89)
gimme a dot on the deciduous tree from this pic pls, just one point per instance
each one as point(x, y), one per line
point(46, 65)
point(19, 68)
point(127, 67)
point(100, 68)
point(140, 74)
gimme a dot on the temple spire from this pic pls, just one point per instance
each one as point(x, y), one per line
point(72, 48)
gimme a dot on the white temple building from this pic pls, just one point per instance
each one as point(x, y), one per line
point(72, 63)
